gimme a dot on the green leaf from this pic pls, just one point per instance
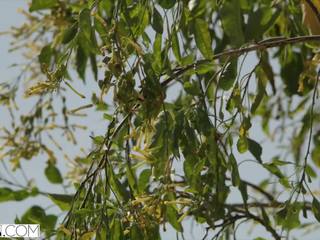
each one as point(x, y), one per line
point(279, 162)
point(232, 22)
point(45, 55)
point(315, 155)
point(107, 116)
point(21, 195)
point(63, 201)
point(81, 62)
point(244, 192)
point(116, 230)
point(94, 66)
point(37, 215)
point(255, 149)
point(203, 125)
point(229, 75)
point(292, 67)
point(100, 28)
point(167, 4)
point(261, 90)
point(267, 70)
point(33, 215)
point(265, 216)
point(234, 100)
point(242, 144)
point(246, 124)
point(271, 167)
point(117, 187)
point(175, 45)
point(191, 167)
point(98, 140)
point(85, 211)
point(191, 88)
point(172, 216)
point(288, 217)
point(53, 174)
point(42, 4)
point(85, 23)
point(316, 208)
point(70, 33)
point(310, 172)
point(132, 180)
point(259, 21)
point(186, 60)
point(235, 177)
point(136, 233)
point(205, 68)
point(7, 194)
point(316, 136)
point(144, 180)
point(157, 22)
point(203, 38)
point(157, 58)
point(284, 182)
point(49, 223)
point(157, 139)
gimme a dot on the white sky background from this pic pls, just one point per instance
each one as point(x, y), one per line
point(35, 168)
point(8, 17)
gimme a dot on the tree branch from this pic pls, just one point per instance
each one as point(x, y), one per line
point(266, 225)
point(262, 45)
point(308, 205)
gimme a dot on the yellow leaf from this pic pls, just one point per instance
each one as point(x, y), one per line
point(310, 19)
point(65, 230)
point(87, 236)
point(136, 46)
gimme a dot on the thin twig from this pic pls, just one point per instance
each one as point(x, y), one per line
point(308, 205)
point(311, 127)
point(262, 45)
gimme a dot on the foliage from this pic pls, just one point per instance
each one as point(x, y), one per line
point(167, 159)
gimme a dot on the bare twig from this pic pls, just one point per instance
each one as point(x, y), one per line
point(307, 205)
point(311, 127)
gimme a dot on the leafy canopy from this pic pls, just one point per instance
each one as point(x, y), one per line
point(192, 96)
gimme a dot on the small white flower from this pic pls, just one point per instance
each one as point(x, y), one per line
point(192, 4)
point(225, 96)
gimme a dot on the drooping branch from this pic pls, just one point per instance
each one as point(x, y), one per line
point(267, 225)
point(311, 129)
point(260, 46)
